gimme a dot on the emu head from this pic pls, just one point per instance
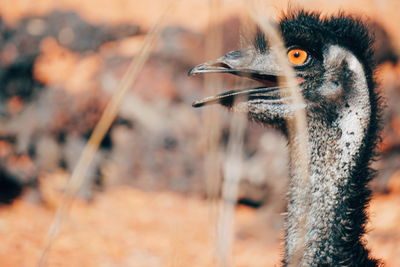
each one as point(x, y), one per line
point(332, 61)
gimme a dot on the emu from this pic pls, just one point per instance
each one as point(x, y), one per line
point(332, 60)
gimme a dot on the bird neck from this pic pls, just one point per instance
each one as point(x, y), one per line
point(326, 215)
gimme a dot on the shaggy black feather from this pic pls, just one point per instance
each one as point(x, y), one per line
point(314, 32)
point(350, 33)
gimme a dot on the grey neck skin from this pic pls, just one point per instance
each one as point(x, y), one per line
point(330, 220)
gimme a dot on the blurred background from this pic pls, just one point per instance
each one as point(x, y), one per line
point(144, 199)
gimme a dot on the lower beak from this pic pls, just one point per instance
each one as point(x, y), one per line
point(228, 98)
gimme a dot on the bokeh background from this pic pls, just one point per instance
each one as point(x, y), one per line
point(144, 200)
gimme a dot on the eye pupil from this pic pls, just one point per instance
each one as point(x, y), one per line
point(296, 54)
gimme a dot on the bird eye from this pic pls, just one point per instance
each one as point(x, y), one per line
point(297, 56)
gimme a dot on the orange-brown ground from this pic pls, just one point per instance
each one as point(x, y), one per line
point(128, 227)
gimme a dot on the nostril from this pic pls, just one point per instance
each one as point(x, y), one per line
point(234, 54)
point(335, 84)
point(221, 65)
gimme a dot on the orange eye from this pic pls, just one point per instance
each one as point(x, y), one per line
point(297, 56)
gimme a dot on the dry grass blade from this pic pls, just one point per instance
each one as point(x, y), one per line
point(221, 213)
point(232, 174)
point(211, 117)
point(297, 126)
point(211, 132)
point(101, 129)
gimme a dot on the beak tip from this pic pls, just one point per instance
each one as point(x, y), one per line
point(191, 71)
point(195, 70)
point(197, 104)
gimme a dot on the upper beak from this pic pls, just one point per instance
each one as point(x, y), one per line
point(240, 63)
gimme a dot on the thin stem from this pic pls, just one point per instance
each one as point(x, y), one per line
point(297, 126)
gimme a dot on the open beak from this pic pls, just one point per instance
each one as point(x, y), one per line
point(242, 63)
